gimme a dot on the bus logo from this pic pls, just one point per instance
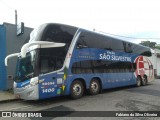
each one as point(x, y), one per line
point(144, 67)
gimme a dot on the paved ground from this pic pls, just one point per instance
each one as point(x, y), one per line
point(145, 98)
point(6, 96)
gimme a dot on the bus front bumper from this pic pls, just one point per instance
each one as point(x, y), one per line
point(30, 93)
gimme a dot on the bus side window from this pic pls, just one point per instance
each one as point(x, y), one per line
point(81, 42)
point(44, 65)
point(76, 68)
point(59, 63)
point(129, 48)
point(117, 45)
point(92, 40)
point(52, 64)
point(134, 66)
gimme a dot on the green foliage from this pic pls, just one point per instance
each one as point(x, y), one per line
point(149, 44)
point(157, 47)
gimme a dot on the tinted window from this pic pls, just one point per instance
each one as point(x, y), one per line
point(59, 34)
point(111, 66)
point(137, 49)
point(26, 67)
point(92, 40)
point(128, 47)
point(99, 66)
point(117, 45)
point(51, 59)
point(82, 67)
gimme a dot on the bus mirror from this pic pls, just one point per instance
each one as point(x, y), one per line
point(42, 44)
point(10, 56)
point(52, 45)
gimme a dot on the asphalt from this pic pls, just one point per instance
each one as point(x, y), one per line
point(6, 96)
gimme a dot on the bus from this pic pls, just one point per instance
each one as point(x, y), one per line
point(66, 60)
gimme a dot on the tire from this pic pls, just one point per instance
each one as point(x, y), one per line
point(144, 81)
point(138, 83)
point(77, 89)
point(94, 87)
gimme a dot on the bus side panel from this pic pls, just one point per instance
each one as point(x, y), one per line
point(108, 81)
point(82, 77)
point(112, 80)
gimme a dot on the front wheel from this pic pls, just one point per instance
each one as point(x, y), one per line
point(77, 89)
point(94, 87)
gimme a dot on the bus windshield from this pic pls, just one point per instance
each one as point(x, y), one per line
point(25, 67)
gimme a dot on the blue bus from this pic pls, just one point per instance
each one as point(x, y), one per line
point(66, 60)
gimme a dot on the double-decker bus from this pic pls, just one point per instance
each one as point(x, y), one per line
point(65, 60)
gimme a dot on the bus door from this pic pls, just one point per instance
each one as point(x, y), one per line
point(47, 85)
point(49, 79)
point(52, 85)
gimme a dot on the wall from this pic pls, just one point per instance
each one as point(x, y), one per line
point(156, 62)
point(3, 82)
point(13, 45)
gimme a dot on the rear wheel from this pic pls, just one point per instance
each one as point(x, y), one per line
point(144, 81)
point(138, 83)
point(77, 89)
point(94, 87)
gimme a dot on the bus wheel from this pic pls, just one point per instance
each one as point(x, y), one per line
point(94, 87)
point(138, 83)
point(77, 89)
point(144, 80)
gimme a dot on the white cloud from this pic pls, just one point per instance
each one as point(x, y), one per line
point(112, 16)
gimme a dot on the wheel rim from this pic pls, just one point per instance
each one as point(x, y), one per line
point(77, 89)
point(138, 82)
point(94, 86)
point(144, 81)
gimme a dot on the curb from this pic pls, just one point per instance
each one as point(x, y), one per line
point(9, 100)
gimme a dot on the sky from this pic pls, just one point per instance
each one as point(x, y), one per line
point(139, 20)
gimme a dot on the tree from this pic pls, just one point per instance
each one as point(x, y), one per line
point(149, 44)
point(157, 47)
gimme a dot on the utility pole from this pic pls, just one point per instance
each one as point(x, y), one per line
point(16, 17)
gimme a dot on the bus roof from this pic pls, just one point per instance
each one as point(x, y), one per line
point(42, 27)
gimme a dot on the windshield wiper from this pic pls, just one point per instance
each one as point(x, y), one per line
point(26, 76)
point(29, 75)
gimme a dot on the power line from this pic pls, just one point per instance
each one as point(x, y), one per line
point(124, 36)
point(7, 5)
point(94, 29)
point(10, 9)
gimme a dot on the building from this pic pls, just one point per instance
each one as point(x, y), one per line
point(155, 59)
point(10, 43)
point(156, 62)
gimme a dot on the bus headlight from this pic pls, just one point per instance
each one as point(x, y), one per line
point(34, 81)
point(15, 84)
point(27, 86)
